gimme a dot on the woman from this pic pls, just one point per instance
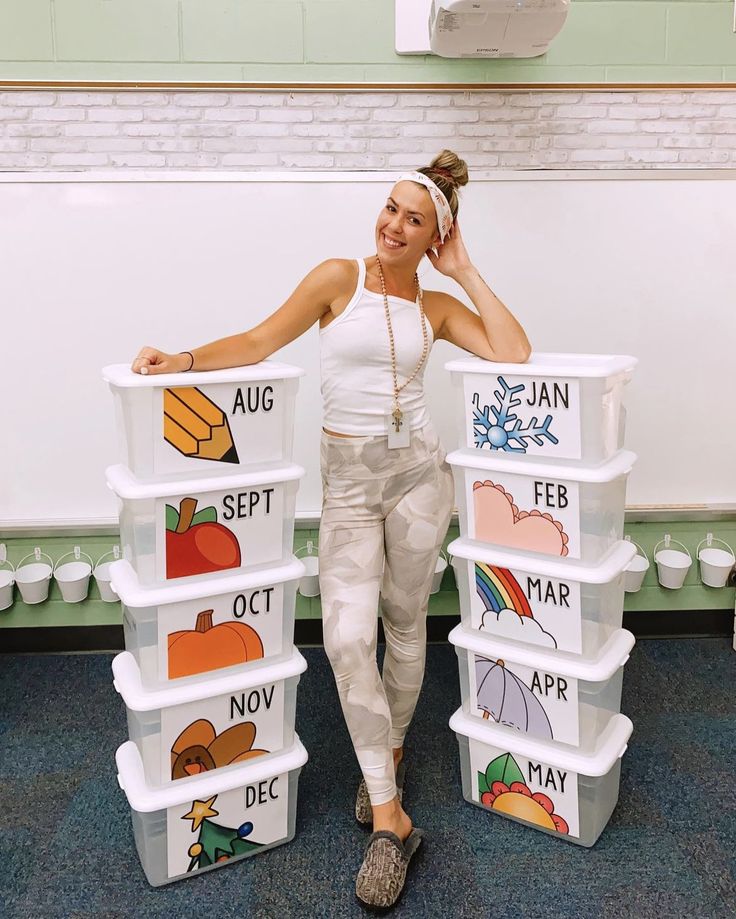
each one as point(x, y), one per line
point(388, 491)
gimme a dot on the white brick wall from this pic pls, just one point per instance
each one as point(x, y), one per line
point(353, 130)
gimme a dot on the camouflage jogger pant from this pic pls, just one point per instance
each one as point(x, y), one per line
point(380, 502)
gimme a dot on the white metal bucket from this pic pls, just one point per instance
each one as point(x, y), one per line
point(439, 571)
point(309, 583)
point(635, 571)
point(33, 580)
point(7, 581)
point(672, 564)
point(101, 573)
point(715, 564)
point(73, 577)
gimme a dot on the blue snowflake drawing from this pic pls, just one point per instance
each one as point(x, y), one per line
point(507, 426)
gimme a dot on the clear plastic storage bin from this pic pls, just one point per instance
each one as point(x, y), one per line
point(206, 528)
point(554, 406)
point(188, 633)
point(541, 602)
point(563, 699)
point(539, 508)
point(566, 793)
point(215, 422)
point(184, 731)
point(213, 820)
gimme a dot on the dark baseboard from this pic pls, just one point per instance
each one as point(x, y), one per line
point(651, 624)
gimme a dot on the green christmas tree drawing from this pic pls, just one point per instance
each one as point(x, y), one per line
point(216, 843)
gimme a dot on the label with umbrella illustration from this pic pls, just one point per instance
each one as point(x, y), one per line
point(199, 534)
point(543, 705)
point(535, 792)
point(535, 416)
point(214, 425)
point(234, 823)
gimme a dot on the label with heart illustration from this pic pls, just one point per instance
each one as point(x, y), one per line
point(511, 784)
point(228, 825)
point(219, 531)
point(211, 733)
point(524, 512)
point(535, 416)
point(532, 701)
point(530, 608)
point(225, 630)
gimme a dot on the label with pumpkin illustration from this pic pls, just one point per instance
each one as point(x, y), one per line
point(217, 426)
point(220, 731)
point(540, 704)
point(510, 784)
point(226, 826)
point(219, 531)
point(535, 416)
point(525, 607)
point(525, 512)
point(228, 630)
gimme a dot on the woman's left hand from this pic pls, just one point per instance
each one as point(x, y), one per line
point(452, 257)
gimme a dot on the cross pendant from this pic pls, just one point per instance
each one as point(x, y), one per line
point(397, 418)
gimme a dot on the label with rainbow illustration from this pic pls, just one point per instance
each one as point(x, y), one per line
point(525, 607)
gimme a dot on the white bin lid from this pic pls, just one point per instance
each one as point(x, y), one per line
point(144, 799)
point(611, 745)
point(610, 566)
point(614, 654)
point(125, 485)
point(124, 581)
point(551, 364)
point(121, 375)
point(619, 464)
point(127, 681)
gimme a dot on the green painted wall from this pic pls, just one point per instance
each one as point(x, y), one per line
point(635, 41)
point(92, 611)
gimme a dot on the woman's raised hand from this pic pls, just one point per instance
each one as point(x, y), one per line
point(452, 257)
point(149, 360)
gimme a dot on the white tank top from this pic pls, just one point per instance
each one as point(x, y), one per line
point(355, 361)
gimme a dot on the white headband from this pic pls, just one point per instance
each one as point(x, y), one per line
point(444, 214)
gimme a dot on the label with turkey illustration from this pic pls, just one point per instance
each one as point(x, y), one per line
point(534, 702)
point(220, 731)
point(535, 792)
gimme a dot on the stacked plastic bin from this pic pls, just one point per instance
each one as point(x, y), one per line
point(207, 580)
point(540, 480)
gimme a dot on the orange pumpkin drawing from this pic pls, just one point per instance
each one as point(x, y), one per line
point(211, 647)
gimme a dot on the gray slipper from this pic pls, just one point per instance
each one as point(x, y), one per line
point(382, 875)
point(363, 809)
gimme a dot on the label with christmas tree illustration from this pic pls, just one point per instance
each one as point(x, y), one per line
point(533, 416)
point(226, 826)
point(531, 608)
point(226, 630)
point(219, 531)
point(217, 426)
point(534, 702)
point(220, 731)
point(510, 784)
point(524, 512)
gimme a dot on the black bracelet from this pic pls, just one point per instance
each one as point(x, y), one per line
point(192, 357)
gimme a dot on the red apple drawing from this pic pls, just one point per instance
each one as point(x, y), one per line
point(198, 544)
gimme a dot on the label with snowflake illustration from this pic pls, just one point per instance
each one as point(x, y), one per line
point(524, 512)
point(216, 427)
point(229, 825)
point(510, 784)
point(521, 415)
point(529, 608)
point(219, 531)
point(532, 701)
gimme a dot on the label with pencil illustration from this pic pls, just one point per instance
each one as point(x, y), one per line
point(222, 531)
point(217, 427)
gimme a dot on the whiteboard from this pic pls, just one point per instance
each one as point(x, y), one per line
point(96, 265)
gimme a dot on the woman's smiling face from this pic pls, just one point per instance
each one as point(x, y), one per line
point(407, 225)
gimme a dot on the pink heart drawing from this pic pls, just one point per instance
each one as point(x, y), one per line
point(499, 520)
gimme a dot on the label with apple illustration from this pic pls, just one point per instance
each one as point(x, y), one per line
point(219, 532)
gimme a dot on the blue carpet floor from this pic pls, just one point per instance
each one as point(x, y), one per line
point(66, 847)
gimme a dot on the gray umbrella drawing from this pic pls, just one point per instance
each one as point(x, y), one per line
point(508, 700)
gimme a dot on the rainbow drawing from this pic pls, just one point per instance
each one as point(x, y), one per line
point(499, 590)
